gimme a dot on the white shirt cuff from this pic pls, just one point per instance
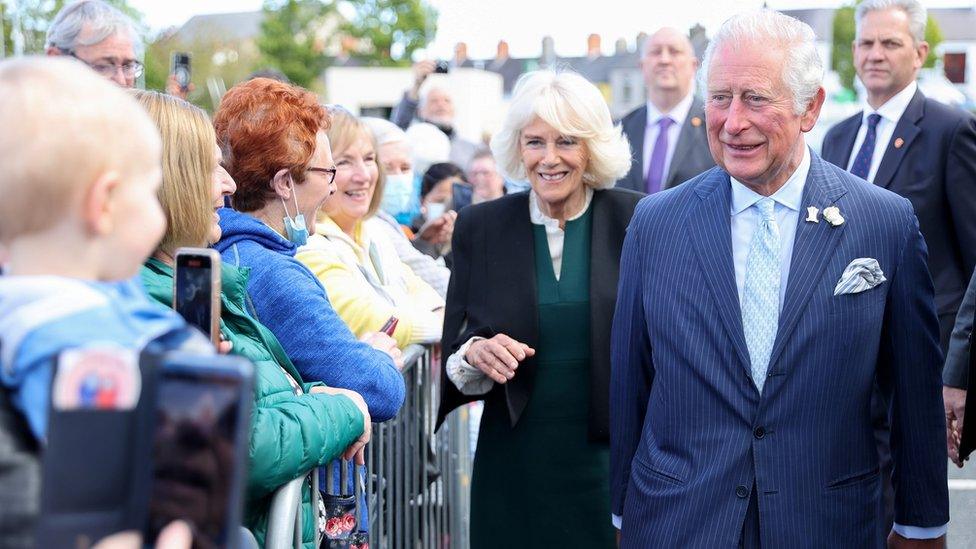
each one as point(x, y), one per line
point(617, 521)
point(467, 378)
point(915, 532)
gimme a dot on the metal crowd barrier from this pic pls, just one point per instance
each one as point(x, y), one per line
point(418, 482)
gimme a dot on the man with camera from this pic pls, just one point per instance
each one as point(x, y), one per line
point(434, 105)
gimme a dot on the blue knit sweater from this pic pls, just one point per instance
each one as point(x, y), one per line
point(287, 298)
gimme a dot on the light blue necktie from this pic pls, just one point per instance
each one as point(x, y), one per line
point(760, 297)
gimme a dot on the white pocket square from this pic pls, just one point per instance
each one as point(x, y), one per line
point(862, 274)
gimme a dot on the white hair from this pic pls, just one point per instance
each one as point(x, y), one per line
point(429, 88)
point(575, 108)
point(428, 146)
point(803, 71)
point(384, 131)
point(98, 18)
point(917, 16)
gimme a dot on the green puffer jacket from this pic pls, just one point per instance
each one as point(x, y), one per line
point(290, 433)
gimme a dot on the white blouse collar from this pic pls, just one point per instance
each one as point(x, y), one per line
point(539, 218)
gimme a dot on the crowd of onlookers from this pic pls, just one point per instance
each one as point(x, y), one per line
point(344, 239)
point(329, 226)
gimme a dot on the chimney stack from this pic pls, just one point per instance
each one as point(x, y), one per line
point(548, 51)
point(593, 46)
point(501, 54)
point(620, 47)
point(460, 54)
point(639, 43)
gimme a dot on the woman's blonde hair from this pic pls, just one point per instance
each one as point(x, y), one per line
point(345, 130)
point(189, 146)
point(575, 108)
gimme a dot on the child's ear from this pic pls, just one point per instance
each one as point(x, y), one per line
point(98, 205)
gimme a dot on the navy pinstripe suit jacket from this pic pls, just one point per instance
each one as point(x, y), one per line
point(691, 435)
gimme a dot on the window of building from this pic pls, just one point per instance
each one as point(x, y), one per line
point(955, 67)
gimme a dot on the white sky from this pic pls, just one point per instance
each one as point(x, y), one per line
point(523, 23)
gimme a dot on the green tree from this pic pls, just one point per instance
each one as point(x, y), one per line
point(389, 31)
point(291, 40)
point(842, 58)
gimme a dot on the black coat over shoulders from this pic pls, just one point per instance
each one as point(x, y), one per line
point(493, 291)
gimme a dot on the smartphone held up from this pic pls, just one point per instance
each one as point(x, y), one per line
point(196, 290)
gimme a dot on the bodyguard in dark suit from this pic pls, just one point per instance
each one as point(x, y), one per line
point(757, 304)
point(916, 147)
point(913, 146)
point(667, 135)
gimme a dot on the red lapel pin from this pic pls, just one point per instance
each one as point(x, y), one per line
point(899, 142)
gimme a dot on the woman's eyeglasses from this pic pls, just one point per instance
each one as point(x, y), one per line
point(331, 172)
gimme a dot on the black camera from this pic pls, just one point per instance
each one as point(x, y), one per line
point(441, 67)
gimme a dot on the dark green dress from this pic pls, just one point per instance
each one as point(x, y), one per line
point(543, 483)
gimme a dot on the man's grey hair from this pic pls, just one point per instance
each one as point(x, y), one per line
point(99, 19)
point(803, 71)
point(917, 16)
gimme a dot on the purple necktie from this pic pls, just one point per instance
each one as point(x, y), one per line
point(862, 162)
point(655, 168)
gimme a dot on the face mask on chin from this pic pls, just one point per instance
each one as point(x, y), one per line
point(397, 193)
point(296, 231)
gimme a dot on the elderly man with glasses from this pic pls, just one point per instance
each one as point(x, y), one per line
point(99, 36)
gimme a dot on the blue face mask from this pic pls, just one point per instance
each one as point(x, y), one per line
point(295, 229)
point(397, 193)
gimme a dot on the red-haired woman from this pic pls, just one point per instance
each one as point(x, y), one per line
point(275, 147)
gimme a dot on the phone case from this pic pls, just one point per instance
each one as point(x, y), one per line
point(241, 371)
point(215, 269)
point(344, 524)
point(95, 481)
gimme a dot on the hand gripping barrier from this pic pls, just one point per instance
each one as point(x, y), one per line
point(417, 481)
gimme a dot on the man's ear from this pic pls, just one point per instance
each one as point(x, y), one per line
point(282, 184)
point(98, 204)
point(923, 52)
point(810, 117)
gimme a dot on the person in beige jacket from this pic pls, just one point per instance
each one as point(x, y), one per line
point(354, 258)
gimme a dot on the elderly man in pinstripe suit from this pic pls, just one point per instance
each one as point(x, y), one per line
point(757, 304)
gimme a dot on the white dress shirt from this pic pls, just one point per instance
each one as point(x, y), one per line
point(468, 378)
point(679, 113)
point(744, 220)
point(890, 114)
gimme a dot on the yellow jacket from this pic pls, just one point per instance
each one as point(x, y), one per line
point(367, 283)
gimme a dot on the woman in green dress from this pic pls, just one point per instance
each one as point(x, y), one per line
point(528, 317)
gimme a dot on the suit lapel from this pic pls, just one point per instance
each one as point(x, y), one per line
point(711, 233)
point(604, 272)
point(906, 130)
point(516, 242)
point(840, 155)
point(635, 133)
point(686, 141)
point(812, 248)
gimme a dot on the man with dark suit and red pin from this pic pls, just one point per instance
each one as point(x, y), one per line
point(921, 149)
point(667, 135)
point(913, 145)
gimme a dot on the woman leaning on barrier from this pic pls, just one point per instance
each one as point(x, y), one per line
point(273, 139)
point(353, 255)
point(295, 426)
point(527, 325)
